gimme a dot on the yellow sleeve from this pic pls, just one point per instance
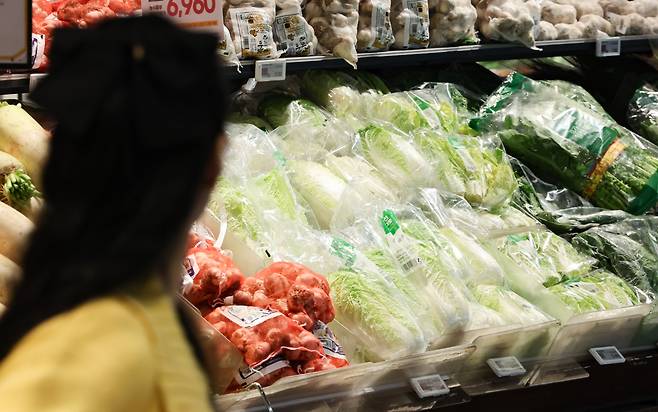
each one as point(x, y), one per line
point(97, 357)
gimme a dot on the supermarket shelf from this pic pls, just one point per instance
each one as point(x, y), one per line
point(21, 83)
point(455, 54)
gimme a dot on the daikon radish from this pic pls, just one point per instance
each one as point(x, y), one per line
point(9, 274)
point(22, 137)
point(14, 231)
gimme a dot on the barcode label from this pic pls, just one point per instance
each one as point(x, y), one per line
point(607, 355)
point(382, 32)
point(272, 70)
point(506, 366)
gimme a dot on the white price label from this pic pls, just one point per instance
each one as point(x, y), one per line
point(430, 385)
point(607, 355)
point(506, 366)
point(15, 38)
point(270, 70)
point(191, 14)
point(606, 47)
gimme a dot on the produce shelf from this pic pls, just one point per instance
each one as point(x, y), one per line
point(455, 54)
point(21, 83)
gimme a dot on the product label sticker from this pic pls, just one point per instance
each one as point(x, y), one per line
point(400, 245)
point(430, 385)
point(252, 28)
point(426, 110)
point(191, 266)
point(329, 344)
point(248, 375)
point(595, 177)
point(343, 250)
point(417, 24)
point(506, 366)
point(292, 34)
point(248, 316)
point(382, 32)
point(607, 355)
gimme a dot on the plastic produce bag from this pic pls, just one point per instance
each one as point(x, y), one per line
point(375, 29)
point(562, 210)
point(292, 33)
point(473, 167)
point(435, 105)
point(544, 256)
point(511, 307)
point(628, 248)
point(251, 25)
point(643, 112)
point(394, 155)
point(226, 48)
point(565, 140)
point(341, 93)
point(508, 20)
point(411, 24)
point(306, 130)
point(452, 22)
point(335, 23)
point(598, 290)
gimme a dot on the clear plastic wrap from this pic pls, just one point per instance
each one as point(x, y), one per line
point(562, 210)
point(226, 48)
point(452, 22)
point(251, 27)
point(544, 256)
point(434, 105)
point(306, 130)
point(375, 30)
point(335, 23)
point(513, 308)
point(411, 24)
point(292, 33)
point(563, 139)
point(628, 248)
point(395, 156)
point(597, 291)
point(508, 20)
point(643, 112)
point(473, 167)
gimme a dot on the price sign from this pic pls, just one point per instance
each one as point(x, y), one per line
point(191, 14)
point(270, 70)
point(507, 366)
point(609, 46)
point(15, 33)
point(430, 385)
point(607, 355)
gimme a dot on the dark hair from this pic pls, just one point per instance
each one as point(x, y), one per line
point(139, 105)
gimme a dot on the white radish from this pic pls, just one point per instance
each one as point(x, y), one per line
point(14, 231)
point(9, 275)
point(22, 137)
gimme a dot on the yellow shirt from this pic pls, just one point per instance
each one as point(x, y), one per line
point(121, 353)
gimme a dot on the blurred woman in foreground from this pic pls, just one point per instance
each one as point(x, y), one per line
point(94, 324)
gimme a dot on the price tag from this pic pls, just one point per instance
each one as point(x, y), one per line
point(507, 366)
point(270, 70)
point(607, 355)
point(430, 385)
point(191, 14)
point(609, 46)
point(15, 33)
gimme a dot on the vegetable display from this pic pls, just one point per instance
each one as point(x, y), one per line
point(565, 140)
point(643, 112)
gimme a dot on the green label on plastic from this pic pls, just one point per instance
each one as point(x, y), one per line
point(647, 198)
point(279, 157)
point(421, 103)
point(517, 238)
point(344, 250)
point(389, 222)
